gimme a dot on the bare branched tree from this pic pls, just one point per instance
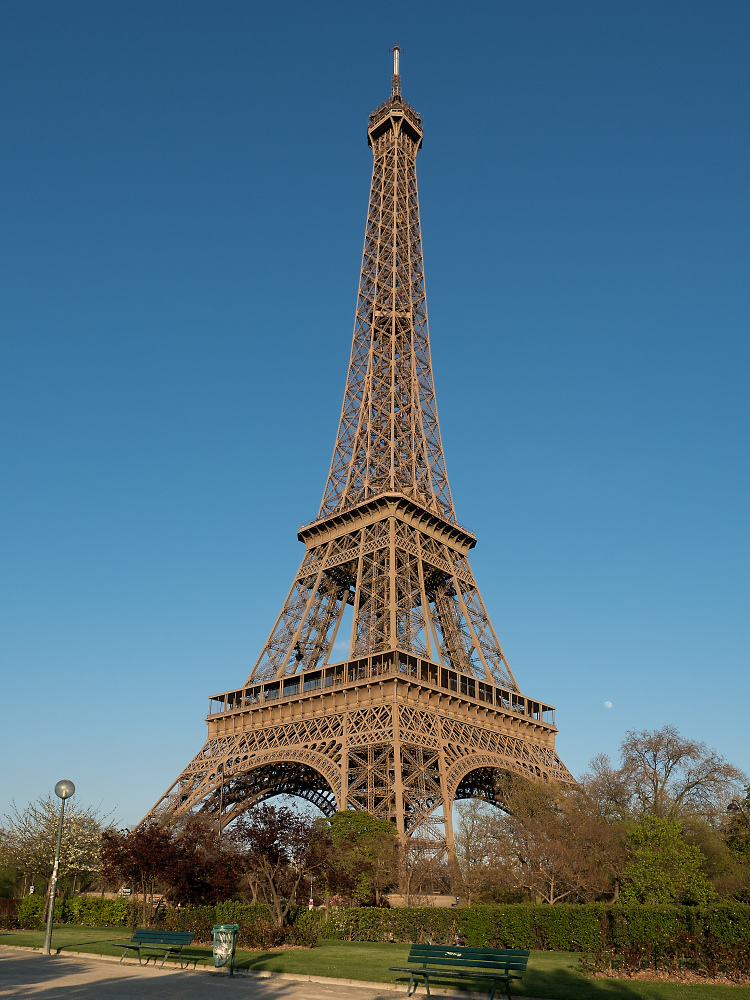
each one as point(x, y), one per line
point(663, 774)
point(553, 845)
point(473, 837)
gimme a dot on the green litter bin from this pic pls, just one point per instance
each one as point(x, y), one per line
point(225, 944)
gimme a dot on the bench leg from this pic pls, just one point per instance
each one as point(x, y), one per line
point(427, 984)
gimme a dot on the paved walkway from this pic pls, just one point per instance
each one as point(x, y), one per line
point(33, 976)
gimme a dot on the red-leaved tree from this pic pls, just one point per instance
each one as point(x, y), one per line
point(279, 847)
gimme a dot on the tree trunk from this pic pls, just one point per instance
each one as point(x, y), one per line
point(277, 916)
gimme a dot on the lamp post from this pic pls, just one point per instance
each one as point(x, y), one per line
point(63, 790)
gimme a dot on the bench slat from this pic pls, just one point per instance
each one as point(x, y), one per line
point(478, 956)
point(162, 937)
point(465, 949)
point(474, 963)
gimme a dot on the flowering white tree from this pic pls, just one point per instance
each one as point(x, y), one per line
point(27, 842)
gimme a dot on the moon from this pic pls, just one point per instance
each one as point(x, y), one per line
point(608, 704)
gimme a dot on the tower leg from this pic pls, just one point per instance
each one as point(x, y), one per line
point(398, 782)
point(450, 843)
point(342, 799)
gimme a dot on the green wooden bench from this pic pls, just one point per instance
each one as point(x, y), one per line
point(441, 961)
point(170, 942)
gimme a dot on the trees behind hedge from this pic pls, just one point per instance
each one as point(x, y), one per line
point(663, 774)
point(546, 843)
point(279, 848)
point(140, 858)
point(267, 854)
point(656, 825)
point(662, 867)
point(190, 863)
point(362, 856)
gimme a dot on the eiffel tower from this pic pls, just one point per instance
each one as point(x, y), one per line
point(424, 709)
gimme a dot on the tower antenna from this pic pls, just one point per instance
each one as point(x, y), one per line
point(396, 79)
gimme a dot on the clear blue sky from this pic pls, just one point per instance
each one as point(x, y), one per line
point(183, 189)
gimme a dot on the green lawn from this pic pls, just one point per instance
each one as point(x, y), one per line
point(552, 975)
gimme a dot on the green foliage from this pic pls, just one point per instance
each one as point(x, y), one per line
point(8, 881)
point(30, 912)
point(737, 830)
point(562, 927)
point(663, 868)
point(684, 947)
point(591, 927)
point(91, 910)
point(362, 855)
point(356, 825)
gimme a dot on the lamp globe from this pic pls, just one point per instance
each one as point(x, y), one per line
point(65, 789)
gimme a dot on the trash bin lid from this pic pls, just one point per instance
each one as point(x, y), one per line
point(225, 927)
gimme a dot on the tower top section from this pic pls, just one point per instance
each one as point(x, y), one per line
point(395, 114)
point(388, 439)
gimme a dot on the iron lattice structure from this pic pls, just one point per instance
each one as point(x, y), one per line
point(424, 709)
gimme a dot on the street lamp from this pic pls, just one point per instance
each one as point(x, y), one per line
point(63, 790)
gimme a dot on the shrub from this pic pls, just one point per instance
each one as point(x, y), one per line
point(8, 913)
point(663, 868)
point(91, 910)
point(30, 912)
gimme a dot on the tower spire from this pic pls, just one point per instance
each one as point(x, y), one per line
point(388, 437)
point(396, 78)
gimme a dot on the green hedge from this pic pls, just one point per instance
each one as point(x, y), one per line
point(586, 928)
point(591, 928)
point(91, 910)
